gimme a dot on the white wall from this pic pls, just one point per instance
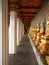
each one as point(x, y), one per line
point(0, 32)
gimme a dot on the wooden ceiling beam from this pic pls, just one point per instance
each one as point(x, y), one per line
point(31, 7)
point(28, 12)
point(28, 16)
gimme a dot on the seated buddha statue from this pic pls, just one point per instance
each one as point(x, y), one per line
point(44, 46)
point(37, 37)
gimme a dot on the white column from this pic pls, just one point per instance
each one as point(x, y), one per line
point(5, 43)
point(22, 29)
point(4, 32)
point(0, 32)
point(15, 35)
point(18, 31)
point(12, 33)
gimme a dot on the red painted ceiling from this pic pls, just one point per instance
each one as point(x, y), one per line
point(27, 8)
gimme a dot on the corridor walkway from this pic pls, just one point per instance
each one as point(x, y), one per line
point(24, 55)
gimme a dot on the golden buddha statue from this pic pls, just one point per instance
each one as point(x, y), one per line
point(34, 33)
point(31, 31)
point(41, 33)
point(44, 46)
point(37, 37)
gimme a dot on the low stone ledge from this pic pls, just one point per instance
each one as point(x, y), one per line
point(40, 58)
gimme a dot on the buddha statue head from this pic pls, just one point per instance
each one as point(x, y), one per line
point(38, 27)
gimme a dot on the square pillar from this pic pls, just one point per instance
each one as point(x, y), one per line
point(12, 33)
point(0, 32)
point(5, 40)
point(22, 29)
point(4, 32)
point(18, 31)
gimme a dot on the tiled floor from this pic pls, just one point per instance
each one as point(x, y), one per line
point(24, 55)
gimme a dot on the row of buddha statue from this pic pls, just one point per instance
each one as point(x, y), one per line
point(40, 35)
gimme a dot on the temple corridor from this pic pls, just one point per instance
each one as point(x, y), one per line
point(24, 54)
point(24, 32)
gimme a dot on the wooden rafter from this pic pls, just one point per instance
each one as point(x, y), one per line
point(28, 12)
point(31, 7)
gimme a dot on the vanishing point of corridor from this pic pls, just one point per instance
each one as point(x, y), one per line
point(25, 54)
